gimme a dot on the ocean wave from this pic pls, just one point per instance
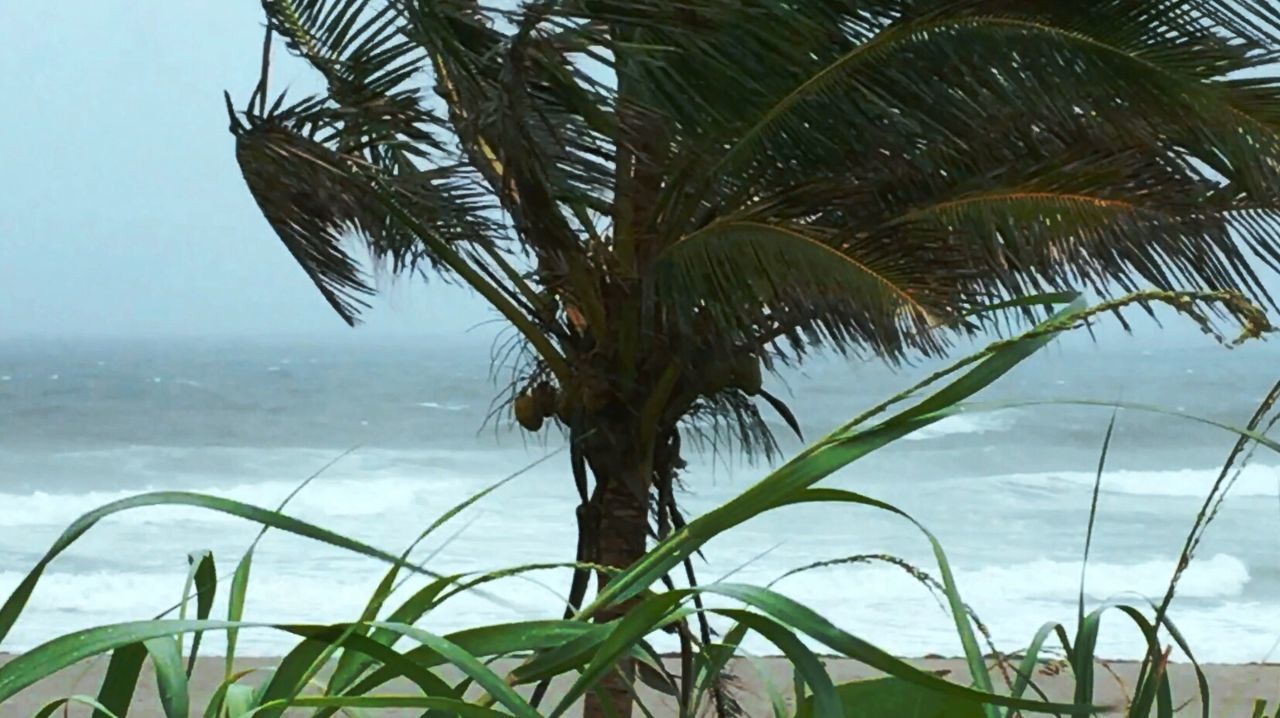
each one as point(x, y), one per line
point(965, 424)
point(1255, 480)
point(1217, 576)
point(277, 593)
point(443, 407)
point(880, 604)
point(330, 498)
point(1220, 576)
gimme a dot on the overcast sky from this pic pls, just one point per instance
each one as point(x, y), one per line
point(122, 211)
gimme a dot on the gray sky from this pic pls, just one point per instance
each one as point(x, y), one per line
point(122, 211)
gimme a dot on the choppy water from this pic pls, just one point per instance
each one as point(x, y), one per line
point(1007, 492)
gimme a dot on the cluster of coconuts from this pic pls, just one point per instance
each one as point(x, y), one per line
point(534, 405)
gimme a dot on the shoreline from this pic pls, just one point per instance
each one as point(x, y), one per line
point(1233, 687)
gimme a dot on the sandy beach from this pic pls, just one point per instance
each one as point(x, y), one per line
point(1233, 687)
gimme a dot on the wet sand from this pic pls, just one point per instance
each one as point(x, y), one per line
point(1233, 688)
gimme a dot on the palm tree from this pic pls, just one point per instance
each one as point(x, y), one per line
point(664, 197)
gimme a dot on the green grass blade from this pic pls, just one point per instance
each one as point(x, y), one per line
point(825, 702)
point(204, 574)
point(959, 612)
point(213, 708)
point(777, 701)
point(1202, 681)
point(449, 706)
point(501, 639)
point(1031, 658)
point(1153, 682)
point(239, 701)
point(424, 600)
point(472, 666)
point(895, 698)
point(836, 451)
point(12, 607)
point(235, 608)
point(1083, 656)
point(651, 670)
point(171, 678)
point(409, 665)
point(54, 655)
point(568, 656)
point(715, 658)
point(290, 677)
point(788, 479)
point(1093, 513)
point(52, 707)
point(351, 665)
point(120, 680)
point(809, 622)
point(640, 620)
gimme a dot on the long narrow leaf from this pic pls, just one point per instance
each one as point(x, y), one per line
point(472, 666)
point(204, 575)
point(171, 678)
point(120, 681)
point(826, 704)
point(235, 607)
point(18, 599)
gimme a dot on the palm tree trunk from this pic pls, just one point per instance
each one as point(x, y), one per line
point(624, 521)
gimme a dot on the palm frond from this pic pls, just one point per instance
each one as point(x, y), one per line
point(308, 195)
point(709, 179)
point(315, 197)
point(729, 421)
point(893, 84)
point(749, 277)
point(1074, 239)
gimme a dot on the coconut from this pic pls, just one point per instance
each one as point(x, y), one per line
point(717, 378)
point(527, 412)
point(545, 396)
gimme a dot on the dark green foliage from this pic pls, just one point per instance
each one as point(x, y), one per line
point(656, 186)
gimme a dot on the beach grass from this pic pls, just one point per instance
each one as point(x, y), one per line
point(383, 660)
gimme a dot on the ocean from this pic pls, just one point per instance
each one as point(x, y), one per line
point(1007, 492)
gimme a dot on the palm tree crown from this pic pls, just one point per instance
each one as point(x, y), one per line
point(663, 195)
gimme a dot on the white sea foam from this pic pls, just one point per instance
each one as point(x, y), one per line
point(65, 602)
point(1255, 480)
point(1218, 576)
point(965, 424)
point(443, 407)
point(881, 604)
point(329, 498)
